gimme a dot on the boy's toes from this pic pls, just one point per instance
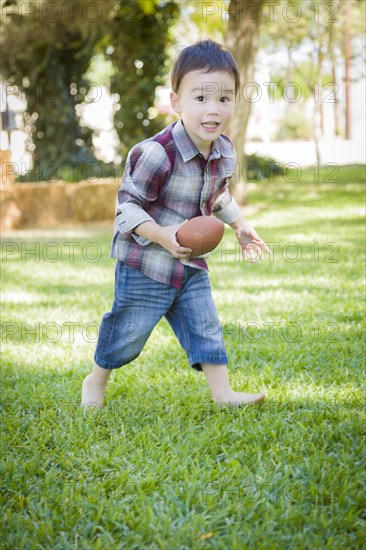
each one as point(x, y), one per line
point(235, 399)
point(254, 398)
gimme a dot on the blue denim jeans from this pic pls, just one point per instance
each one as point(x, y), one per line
point(139, 304)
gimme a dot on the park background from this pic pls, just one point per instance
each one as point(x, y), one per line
point(301, 102)
point(160, 466)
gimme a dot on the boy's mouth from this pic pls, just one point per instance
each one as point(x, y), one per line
point(211, 125)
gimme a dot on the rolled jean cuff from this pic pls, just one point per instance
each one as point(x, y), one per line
point(196, 359)
point(106, 364)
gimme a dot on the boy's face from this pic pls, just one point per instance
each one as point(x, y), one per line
point(205, 102)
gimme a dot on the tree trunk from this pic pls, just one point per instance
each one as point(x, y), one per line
point(318, 99)
point(242, 39)
point(334, 77)
point(347, 68)
point(320, 77)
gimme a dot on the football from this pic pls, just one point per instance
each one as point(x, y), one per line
point(201, 234)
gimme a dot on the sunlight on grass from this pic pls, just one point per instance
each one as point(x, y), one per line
point(20, 297)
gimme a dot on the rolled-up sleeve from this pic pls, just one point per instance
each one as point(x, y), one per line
point(147, 167)
point(226, 209)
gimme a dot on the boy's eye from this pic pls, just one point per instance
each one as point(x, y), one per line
point(202, 99)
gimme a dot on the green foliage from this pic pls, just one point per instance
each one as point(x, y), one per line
point(46, 51)
point(294, 125)
point(161, 466)
point(52, 51)
point(291, 24)
point(139, 40)
point(297, 82)
point(258, 167)
point(210, 18)
point(72, 173)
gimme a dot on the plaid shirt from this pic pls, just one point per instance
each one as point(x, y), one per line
point(167, 180)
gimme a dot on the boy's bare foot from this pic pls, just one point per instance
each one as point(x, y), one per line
point(235, 399)
point(218, 380)
point(92, 393)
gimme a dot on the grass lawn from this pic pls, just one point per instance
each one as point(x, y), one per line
point(161, 467)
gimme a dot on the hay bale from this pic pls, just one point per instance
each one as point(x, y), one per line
point(7, 169)
point(47, 204)
point(10, 214)
point(94, 201)
point(42, 204)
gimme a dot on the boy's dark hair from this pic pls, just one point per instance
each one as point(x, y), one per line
point(204, 54)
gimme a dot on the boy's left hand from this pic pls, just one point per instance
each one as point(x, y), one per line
point(251, 244)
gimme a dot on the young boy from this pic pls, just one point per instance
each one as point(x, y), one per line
point(181, 172)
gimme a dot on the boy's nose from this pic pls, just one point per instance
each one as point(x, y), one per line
point(213, 109)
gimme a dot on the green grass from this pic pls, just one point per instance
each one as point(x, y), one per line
point(161, 467)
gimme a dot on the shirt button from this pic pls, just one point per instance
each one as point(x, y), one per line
point(203, 204)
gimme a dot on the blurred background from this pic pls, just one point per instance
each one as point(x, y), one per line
point(82, 82)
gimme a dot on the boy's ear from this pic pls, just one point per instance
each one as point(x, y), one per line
point(174, 101)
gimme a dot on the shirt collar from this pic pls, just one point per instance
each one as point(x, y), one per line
point(219, 148)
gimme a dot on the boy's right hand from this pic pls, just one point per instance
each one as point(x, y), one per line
point(167, 239)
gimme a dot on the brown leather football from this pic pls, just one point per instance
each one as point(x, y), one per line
point(202, 234)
